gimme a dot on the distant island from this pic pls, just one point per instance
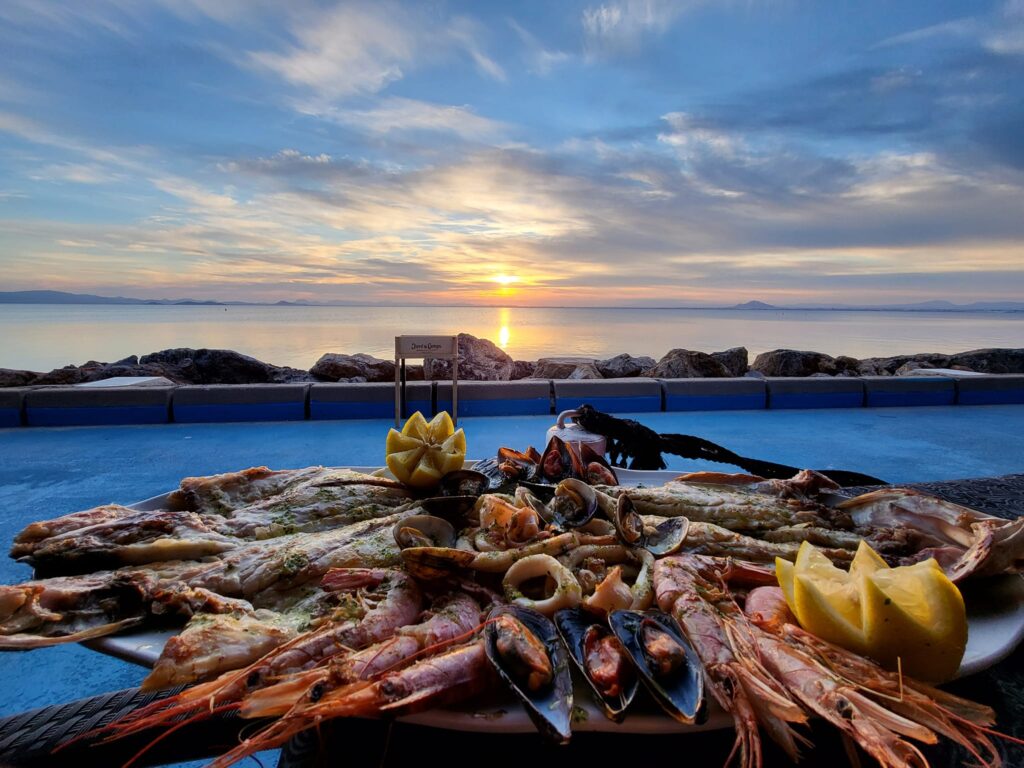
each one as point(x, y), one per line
point(62, 297)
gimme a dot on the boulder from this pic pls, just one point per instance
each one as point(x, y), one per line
point(734, 360)
point(887, 366)
point(585, 371)
point(205, 366)
point(479, 360)
point(624, 366)
point(792, 362)
point(687, 364)
point(990, 360)
point(15, 378)
point(334, 367)
point(522, 369)
point(848, 366)
point(562, 367)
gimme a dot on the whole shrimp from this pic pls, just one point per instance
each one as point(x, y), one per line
point(692, 588)
point(392, 600)
point(450, 616)
point(835, 680)
point(446, 678)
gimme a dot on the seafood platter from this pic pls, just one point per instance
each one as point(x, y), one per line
point(543, 590)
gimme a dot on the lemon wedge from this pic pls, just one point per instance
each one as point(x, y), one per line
point(915, 613)
point(424, 452)
point(826, 600)
point(911, 616)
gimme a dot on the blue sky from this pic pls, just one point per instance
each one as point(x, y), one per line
point(625, 152)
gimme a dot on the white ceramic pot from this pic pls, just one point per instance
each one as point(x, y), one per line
point(571, 432)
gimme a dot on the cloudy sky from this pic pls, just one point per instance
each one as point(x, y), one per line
point(626, 152)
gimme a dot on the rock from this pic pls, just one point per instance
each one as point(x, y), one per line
point(214, 366)
point(848, 366)
point(911, 368)
point(561, 367)
point(128, 361)
point(887, 366)
point(69, 374)
point(624, 366)
point(522, 369)
point(991, 360)
point(585, 371)
point(820, 375)
point(792, 362)
point(686, 364)
point(15, 378)
point(753, 375)
point(734, 360)
point(479, 360)
point(334, 366)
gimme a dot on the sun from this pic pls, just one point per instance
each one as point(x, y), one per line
point(504, 279)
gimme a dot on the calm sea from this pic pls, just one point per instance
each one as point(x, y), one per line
point(41, 337)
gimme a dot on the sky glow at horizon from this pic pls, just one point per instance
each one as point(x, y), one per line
point(604, 152)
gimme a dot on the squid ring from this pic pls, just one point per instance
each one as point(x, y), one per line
point(567, 594)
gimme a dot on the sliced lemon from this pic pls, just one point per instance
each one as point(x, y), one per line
point(784, 573)
point(866, 560)
point(424, 452)
point(826, 601)
point(916, 614)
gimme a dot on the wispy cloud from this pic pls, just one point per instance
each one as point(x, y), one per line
point(361, 48)
point(621, 26)
point(540, 60)
point(401, 115)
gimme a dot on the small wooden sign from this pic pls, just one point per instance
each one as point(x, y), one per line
point(421, 347)
point(437, 347)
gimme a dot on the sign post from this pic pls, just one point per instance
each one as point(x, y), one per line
point(422, 347)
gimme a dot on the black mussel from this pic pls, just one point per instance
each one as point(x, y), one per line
point(465, 482)
point(517, 466)
point(574, 504)
point(597, 470)
point(666, 661)
point(560, 460)
point(454, 508)
point(601, 658)
point(543, 492)
point(524, 647)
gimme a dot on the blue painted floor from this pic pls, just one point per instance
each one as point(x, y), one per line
point(49, 472)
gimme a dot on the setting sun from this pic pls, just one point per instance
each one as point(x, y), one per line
point(505, 279)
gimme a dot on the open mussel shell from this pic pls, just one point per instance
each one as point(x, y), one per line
point(454, 508)
point(560, 460)
point(627, 521)
point(464, 482)
point(597, 469)
point(615, 683)
point(574, 504)
point(525, 649)
point(667, 663)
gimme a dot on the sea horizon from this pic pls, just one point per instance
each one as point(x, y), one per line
point(41, 337)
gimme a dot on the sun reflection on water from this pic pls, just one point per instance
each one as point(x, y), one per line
point(504, 317)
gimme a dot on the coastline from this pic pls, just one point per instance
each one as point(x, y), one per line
point(481, 360)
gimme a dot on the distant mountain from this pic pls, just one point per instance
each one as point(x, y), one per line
point(60, 297)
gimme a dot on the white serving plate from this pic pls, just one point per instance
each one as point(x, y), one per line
point(995, 617)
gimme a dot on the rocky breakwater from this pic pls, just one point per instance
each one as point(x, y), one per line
point(482, 360)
